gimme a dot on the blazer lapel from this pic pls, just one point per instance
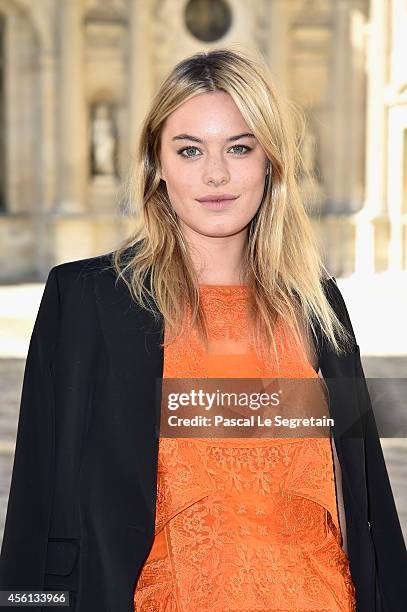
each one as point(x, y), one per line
point(346, 408)
point(119, 469)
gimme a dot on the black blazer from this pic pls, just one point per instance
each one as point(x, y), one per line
point(81, 508)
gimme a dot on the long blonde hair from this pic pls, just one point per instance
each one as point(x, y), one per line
point(283, 267)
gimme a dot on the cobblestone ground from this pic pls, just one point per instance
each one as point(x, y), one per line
point(395, 449)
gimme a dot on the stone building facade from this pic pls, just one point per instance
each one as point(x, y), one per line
point(76, 78)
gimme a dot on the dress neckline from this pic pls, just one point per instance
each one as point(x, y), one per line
point(223, 286)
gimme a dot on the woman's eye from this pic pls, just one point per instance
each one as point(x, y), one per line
point(242, 146)
point(181, 151)
point(191, 148)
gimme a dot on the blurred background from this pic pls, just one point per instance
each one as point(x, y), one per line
point(76, 78)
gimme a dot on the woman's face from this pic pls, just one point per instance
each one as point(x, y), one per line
point(207, 149)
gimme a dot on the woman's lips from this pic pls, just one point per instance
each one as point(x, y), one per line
point(217, 204)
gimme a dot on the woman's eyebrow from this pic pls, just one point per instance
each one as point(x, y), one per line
point(230, 139)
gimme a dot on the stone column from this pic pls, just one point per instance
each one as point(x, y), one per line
point(342, 138)
point(48, 165)
point(375, 142)
point(73, 162)
point(278, 52)
point(141, 70)
point(396, 145)
point(396, 110)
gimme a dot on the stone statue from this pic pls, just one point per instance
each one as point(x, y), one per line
point(103, 141)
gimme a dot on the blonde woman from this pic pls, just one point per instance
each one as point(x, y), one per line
point(223, 280)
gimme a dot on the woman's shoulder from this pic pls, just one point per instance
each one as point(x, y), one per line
point(328, 282)
point(71, 270)
point(79, 269)
point(339, 306)
point(335, 297)
point(74, 284)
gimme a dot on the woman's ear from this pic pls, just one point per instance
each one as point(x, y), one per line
point(161, 174)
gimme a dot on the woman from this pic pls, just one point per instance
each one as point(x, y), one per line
point(232, 288)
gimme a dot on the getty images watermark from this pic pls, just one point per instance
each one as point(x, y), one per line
point(199, 399)
point(280, 407)
point(249, 407)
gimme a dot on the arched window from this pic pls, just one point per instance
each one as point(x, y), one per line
point(208, 20)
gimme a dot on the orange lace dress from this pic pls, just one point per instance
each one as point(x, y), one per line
point(242, 524)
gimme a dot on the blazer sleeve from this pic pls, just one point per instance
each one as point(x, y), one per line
point(385, 529)
point(24, 545)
